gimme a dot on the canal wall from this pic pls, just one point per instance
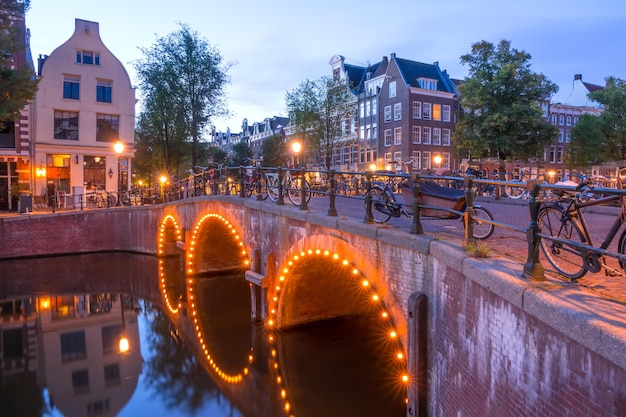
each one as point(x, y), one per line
point(496, 344)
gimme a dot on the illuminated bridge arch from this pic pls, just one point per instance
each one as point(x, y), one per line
point(169, 264)
point(322, 282)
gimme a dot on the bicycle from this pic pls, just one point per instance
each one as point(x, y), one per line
point(386, 205)
point(254, 181)
point(292, 187)
point(565, 238)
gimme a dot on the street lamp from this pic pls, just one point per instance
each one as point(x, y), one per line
point(296, 147)
point(437, 158)
point(163, 180)
point(118, 147)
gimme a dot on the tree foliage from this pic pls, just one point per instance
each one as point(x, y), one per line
point(597, 139)
point(17, 86)
point(241, 152)
point(182, 80)
point(318, 110)
point(501, 104)
point(274, 151)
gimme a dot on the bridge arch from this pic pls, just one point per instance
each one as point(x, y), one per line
point(169, 263)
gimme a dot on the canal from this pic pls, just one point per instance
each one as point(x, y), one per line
point(112, 334)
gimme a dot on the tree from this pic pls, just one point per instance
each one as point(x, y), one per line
point(602, 138)
point(18, 85)
point(241, 152)
point(182, 78)
point(318, 110)
point(500, 104)
point(274, 151)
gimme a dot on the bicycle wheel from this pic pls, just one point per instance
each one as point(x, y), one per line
point(515, 192)
point(248, 188)
point(380, 209)
point(567, 260)
point(482, 230)
point(295, 191)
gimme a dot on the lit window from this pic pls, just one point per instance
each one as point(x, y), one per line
point(436, 111)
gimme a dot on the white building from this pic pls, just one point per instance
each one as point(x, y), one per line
point(84, 105)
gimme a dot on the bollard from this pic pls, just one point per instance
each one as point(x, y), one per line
point(369, 216)
point(332, 210)
point(533, 270)
point(416, 225)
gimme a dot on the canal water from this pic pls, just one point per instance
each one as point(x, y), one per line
point(113, 335)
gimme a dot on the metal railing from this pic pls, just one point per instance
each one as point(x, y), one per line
point(243, 182)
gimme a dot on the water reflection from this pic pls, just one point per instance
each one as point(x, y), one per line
point(217, 362)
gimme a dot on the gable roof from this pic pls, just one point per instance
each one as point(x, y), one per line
point(411, 71)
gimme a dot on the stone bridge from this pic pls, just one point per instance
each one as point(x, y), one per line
point(477, 338)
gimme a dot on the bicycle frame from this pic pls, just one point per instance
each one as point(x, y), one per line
point(576, 212)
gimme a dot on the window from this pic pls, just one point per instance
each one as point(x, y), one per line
point(388, 158)
point(445, 113)
point(416, 136)
point(567, 136)
point(426, 111)
point(392, 89)
point(561, 119)
point(97, 408)
point(568, 121)
point(103, 91)
point(7, 134)
point(426, 135)
point(575, 119)
point(374, 107)
point(80, 381)
point(388, 137)
point(397, 111)
point(387, 114)
point(436, 136)
point(427, 84)
point(397, 158)
point(362, 132)
point(416, 158)
point(553, 119)
point(71, 88)
point(73, 346)
point(561, 136)
point(436, 111)
point(445, 137)
point(559, 155)
point(107, 127)
point(445, 161)
point(362, 110)
point(375, 132)
point(417, 109)
point(397, 136)
point(65, 125)
point(368, 108)
point(110, 338)
point(88, 57)
point(425, 160)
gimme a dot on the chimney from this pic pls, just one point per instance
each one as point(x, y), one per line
point(578, 77)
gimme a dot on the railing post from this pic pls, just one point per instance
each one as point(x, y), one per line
point(533, 270)
point(259, 188)
point(332, 210)
point(242, 191)
point(281, 200)
point(469, 210)
point(416, 226)
point(369, 216)
point(303, 203)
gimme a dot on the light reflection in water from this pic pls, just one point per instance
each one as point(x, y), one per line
point(330, 368)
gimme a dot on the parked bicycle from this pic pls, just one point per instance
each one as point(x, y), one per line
point(292, 184)
point(254, 181)
point(386, 205)
point(565, 237)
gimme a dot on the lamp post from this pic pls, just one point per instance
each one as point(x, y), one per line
point(163, 179)
point(296, 147)
point(118, 147)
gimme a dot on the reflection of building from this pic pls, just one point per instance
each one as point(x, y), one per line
point(81, 340)
point(85, 103)
point(72, 347)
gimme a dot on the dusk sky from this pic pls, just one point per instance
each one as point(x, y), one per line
point(276, 44)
